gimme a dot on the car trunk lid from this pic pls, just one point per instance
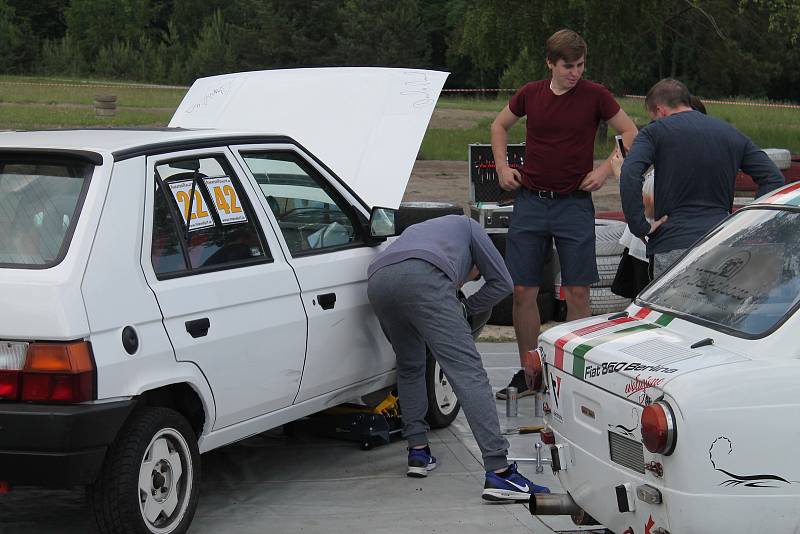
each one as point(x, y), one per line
point(634, 356)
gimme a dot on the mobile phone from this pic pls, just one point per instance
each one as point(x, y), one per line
point(622, 150)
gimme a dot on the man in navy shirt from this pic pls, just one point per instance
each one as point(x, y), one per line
point(696, 158)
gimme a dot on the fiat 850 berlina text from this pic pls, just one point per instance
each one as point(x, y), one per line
point(681, 414)
point(166, 292)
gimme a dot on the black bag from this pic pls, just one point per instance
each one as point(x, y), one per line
point(632, 276)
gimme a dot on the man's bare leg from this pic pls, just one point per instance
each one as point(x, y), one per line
point(526, 326)
point(526, 318)
point(577, 302)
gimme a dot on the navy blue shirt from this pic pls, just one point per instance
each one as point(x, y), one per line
point(696, 159)
point(453, 243)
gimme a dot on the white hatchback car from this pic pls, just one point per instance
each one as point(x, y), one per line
point(680, 415)
point(169, 291)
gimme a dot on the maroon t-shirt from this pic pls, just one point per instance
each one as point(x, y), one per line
point(559, 144)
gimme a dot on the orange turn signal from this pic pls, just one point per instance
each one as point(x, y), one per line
point(72, 358)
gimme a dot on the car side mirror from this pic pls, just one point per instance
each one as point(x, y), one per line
point(381, 222)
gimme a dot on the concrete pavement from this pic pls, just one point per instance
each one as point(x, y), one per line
point(309, 484)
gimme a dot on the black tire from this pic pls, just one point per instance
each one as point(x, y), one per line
point(413, 212)
point(601, 301)
point(115, 503)
point(443, 406)
point(606, 271)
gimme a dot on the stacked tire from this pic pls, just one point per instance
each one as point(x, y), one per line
point(608, 252)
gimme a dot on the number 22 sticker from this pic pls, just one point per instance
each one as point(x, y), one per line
point(200, 217)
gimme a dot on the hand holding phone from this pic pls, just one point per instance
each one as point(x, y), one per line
point(620, 145)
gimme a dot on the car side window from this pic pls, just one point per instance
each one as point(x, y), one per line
point(312, 215)
point(201, 219)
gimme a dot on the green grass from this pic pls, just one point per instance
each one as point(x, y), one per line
point(28, 103)
point(24, 90)
point(45, 117)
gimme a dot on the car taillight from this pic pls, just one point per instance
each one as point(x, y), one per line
point(659, 434)
point(47, 372)
point(534, 369)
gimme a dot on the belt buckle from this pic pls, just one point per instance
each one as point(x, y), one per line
point(546, 194)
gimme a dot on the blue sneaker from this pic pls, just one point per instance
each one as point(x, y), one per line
point(420, 461)
point(514, 487)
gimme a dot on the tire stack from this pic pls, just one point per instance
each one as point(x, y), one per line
point(608, 253)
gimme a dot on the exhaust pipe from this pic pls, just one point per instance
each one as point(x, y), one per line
point(559, 504)
point(553, 504)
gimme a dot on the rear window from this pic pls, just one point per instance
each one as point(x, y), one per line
point(744, 278)
point(39, 203)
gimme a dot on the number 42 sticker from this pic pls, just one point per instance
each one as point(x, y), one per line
point(227, 203)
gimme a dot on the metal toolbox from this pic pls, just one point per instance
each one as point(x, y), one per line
point(493, 218)
point(490, 205)
point(483, 184)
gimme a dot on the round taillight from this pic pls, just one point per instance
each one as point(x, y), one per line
point(534, 370)
point(658, 428)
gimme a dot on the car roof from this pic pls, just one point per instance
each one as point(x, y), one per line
point(108, 140)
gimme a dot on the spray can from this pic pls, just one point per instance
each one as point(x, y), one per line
point(511, 402)
point(539, 405)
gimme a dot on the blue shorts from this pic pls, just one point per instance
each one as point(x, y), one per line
point(536, 222)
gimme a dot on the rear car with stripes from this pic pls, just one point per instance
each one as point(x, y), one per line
point(679, 414)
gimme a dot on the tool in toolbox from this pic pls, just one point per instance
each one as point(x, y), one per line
point(490, 205)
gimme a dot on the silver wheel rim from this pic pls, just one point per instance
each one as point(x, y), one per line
point(445, 396)
point(165, 481)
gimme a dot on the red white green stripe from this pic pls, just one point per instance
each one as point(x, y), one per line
point(789, 196)
point(578, 353)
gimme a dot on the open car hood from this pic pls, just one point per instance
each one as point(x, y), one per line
point(365, 123)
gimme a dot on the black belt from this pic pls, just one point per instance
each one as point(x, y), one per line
point(552, 194)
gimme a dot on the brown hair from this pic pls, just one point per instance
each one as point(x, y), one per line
point(668, 92)
point(566, 45)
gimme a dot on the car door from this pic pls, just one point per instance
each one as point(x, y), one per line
point(229, 298)
point(323, 233)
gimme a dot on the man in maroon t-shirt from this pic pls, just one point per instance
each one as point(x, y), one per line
point(553, 199)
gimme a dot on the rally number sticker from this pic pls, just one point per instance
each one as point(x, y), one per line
point(225, 199)
point(200, 217)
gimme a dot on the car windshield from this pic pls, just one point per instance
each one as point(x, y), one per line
point(38, 205)
point(744, 277)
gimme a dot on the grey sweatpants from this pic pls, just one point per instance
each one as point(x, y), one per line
point(417, 305)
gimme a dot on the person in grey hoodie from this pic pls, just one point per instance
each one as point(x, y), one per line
point(413, 286)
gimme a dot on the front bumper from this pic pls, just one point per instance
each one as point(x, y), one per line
point(57, 446)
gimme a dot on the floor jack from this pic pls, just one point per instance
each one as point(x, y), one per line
point(370, 427)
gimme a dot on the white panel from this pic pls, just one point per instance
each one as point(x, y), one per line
point(364, 123)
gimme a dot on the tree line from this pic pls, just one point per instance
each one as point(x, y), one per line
point(717, 47)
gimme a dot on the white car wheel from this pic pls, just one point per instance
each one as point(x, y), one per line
point(443, 405)
point(150, 479)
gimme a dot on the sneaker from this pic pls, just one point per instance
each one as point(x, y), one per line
point(518, 381)
point(514, 487)
point(420, 461)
